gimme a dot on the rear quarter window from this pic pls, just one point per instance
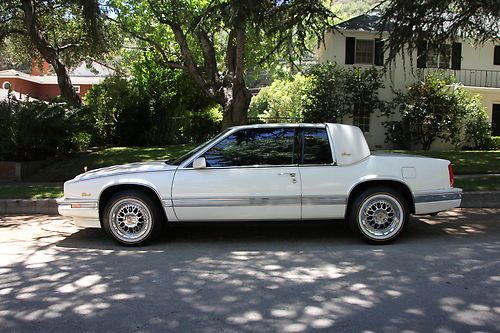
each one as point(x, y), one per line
point(316, 146)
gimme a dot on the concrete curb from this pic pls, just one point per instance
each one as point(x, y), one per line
point(49, 206)
point(28, 206)
point(489, 199)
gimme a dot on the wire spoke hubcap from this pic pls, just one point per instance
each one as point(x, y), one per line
point(381, 216)
point(130, 219)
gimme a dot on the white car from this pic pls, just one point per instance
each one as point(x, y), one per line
point(265, 172)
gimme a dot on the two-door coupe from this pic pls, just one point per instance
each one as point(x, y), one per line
point(265, 172)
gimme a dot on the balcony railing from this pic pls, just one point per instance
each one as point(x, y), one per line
point(469, 77)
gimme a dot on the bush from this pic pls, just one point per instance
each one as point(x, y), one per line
point(281, 101)
point(495, 142)
point(37, 130)
point(437, 108)
point(337, 92)
point(156, 106)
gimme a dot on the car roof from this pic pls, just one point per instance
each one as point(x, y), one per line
point(319, 125)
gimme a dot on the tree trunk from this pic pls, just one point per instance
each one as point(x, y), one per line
point(50, 54)
point(64, 82)
point(236, 105)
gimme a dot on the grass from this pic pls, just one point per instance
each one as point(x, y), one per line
point(465, 162)
point(59, 170)
point(478, 183)
point(31, 190)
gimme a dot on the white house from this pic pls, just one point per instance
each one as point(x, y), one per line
point(359, 43)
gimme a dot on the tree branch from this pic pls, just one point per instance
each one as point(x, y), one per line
point(207, 47)
point(157, 46)
point(191, 67)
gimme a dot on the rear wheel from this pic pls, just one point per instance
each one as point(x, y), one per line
point(132, 217)
point(379, 214)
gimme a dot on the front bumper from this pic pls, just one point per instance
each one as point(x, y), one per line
point(427, 202)
point(84, 212)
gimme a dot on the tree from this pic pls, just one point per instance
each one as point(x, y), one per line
point(63, 32)
point(216, 41)
point(438, 21)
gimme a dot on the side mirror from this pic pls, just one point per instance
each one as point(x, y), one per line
point(200, 163)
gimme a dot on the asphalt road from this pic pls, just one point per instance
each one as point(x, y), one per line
point(443, 275)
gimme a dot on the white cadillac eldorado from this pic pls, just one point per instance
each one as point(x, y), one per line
point(265, 172)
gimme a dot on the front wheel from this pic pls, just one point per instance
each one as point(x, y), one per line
point(132, 217)
point(379, 214)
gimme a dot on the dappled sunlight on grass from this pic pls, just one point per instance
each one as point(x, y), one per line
point(480, 161)
point(64, 169)
point(30, 190)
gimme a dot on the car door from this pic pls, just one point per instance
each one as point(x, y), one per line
point(251, 174)
point(323, 183)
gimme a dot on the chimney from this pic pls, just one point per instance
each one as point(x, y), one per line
point(39, 67)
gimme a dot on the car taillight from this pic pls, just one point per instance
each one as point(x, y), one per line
point(452, 177)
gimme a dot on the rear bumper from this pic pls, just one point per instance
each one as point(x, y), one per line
point(437, 201)
point(85, 213)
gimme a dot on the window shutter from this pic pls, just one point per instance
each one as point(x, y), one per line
point(456, 56)
point(496, 57)
point(421, 55)
point(349, 50)
point(379, 52)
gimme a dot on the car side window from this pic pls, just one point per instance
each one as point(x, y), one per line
point(258, 146)
point(316, 146)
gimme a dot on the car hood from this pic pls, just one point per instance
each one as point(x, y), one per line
point(137, 167)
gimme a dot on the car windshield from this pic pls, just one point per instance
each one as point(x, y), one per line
point(179, 160)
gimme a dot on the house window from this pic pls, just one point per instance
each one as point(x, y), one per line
point(439, 57)
point(361, 118)
point(365, 50)
point(6, 85)
point(495, 120)
point(77, 89)
point(496, 55)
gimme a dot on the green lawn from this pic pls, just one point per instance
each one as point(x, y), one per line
point(479, 183)
point(59, 170)
point(465, 162)
point(31, 190)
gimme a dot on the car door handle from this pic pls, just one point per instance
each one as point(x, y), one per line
point(291, 174)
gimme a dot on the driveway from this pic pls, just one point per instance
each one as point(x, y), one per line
point(443, 275)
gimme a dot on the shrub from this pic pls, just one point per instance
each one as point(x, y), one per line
point(495, 142)
point(156, 106)
point(437, 108)
point(337, 92)
point(281, 101)
point(37, 130)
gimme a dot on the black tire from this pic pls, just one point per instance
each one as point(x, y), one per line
point(378, 215)
point(132, 217)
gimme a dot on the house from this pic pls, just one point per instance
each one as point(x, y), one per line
point(41, 83)
point(359, 43)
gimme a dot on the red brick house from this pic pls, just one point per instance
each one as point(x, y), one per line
point(42, 85)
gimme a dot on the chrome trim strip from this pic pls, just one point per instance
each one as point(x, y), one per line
point(231, 202)
point(266, 166)
point(166, 202)
point(260, 201)
point(437, 196)
point(67, 201)
point(87, 204)
point(320, 200)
